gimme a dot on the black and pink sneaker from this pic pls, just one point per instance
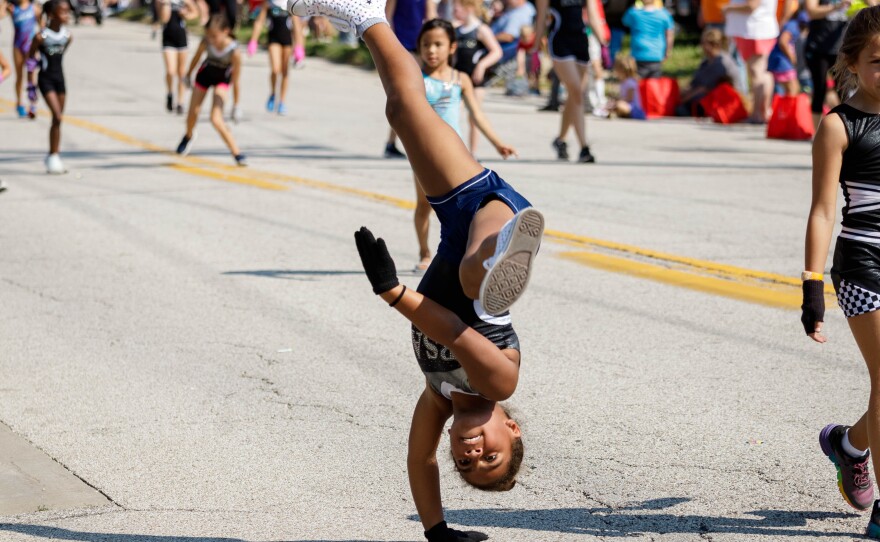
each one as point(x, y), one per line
point(853, 476)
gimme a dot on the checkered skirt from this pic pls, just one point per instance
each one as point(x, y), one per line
point(855, 300)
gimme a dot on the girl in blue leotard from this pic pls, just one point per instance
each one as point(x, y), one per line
point(25, 21)
point(446, 89)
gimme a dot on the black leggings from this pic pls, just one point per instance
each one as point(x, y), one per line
point(819, 65)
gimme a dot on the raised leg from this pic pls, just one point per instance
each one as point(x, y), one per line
point(437, 154)
point(482, 240)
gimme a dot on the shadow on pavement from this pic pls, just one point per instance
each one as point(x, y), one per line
point(57, 533)
point(303, 274)
point(622, 522)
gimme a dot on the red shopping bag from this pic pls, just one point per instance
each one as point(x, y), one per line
point(660, 96)
point(791, 119)
point(724, 105)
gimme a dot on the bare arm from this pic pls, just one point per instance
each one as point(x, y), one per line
point(203, 45)
point(35, 46)
point(670, 41)
point(236, 73)
point(480, 120)
point(430, 10)
point(828, 147)
point(788, 47)
point(261, 20)
point(540, 22)
point(164, 10)
point(596, 21)
point(489, 370)
point(190, 10)
point(421, 461)
point(493, 52)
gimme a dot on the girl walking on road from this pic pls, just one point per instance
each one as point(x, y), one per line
point(446, 89)
point(25, 22)
point(462, 335)
point(221, 67)
point(847, 151)
point(51, 43)
point(280, 47)
point(173, 14)
point(570, 53)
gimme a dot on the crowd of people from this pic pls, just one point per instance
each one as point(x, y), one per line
point(434, 57)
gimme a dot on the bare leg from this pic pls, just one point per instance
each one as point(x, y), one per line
point(422, 221)
point(195, 104)
point(575, 80)
point(761, 87)
point(181, 74)
point(274, 65)
point(18, 59)
point(285, 72)
point(217, 120)
point(437, 154)
point(866, 330)
point(171, 69)
point(482, 239)
point(55, 101)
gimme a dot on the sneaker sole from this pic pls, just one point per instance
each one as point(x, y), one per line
point(825, 444)
point(507, 279)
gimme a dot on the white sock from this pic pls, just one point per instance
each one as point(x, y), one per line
point(851, 450)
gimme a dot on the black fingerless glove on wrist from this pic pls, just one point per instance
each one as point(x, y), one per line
point(442, 533)
point(376, 261)
point(813, 306)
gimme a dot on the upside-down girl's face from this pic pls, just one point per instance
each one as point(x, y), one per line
point(435, 48)
point(482, 445)
point(867, 69)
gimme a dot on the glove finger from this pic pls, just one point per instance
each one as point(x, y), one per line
point(809, 322)
point(364, 249)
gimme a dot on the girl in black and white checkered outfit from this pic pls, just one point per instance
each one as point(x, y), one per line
point(846, 151)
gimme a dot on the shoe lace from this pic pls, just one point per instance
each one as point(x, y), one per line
point(861, 478)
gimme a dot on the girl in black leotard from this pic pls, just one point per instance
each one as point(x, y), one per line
point(173, 14)
point(477, 52)
point(846, 153)
point(570, 52)
point(281, 31)
point(51, 43)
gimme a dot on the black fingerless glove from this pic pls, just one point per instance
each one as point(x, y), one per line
point(376, 261)
point(813, 306)
point(442, 533)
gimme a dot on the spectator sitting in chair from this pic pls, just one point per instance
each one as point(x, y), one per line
point(508, 26)
point(717, 67)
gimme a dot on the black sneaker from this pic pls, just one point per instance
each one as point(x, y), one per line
point(241, 160)
point(873, 530)
point(549, 107)
point(561, 149)
point(169, 103)
point(392, 152)
point(585, 157)
point(186, 144)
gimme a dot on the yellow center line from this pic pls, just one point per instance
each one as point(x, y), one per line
point(721, 279)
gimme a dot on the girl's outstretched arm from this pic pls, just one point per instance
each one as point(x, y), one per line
point(828, 147)
point(480, 120)
point(421, 461)
point(490, 371)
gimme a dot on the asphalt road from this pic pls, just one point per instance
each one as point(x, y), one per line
point(198, 343)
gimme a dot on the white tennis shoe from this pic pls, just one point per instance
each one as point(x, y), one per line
point(508, 271)
point(345, 15)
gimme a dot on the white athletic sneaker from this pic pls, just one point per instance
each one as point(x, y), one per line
point(2, 185)
point(345, 15)
point(54, 165)
point(237, 115)
point(507, 272)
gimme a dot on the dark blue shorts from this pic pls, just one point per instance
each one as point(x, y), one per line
point(457, 208)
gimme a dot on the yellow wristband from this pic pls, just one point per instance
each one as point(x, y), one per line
point(809, 275)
